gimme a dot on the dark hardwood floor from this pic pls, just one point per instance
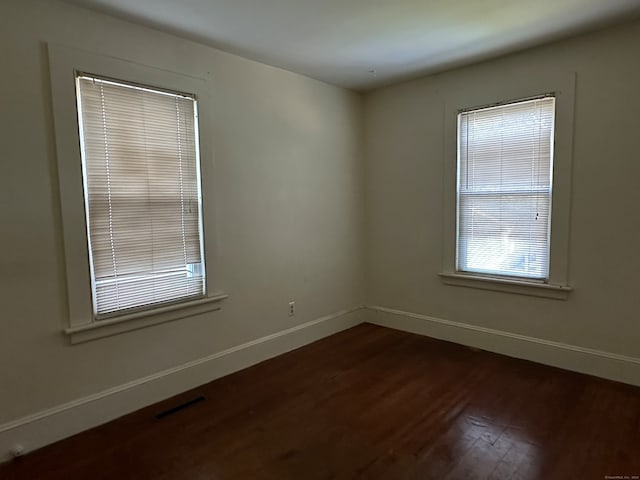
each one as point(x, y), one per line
point(368, 403)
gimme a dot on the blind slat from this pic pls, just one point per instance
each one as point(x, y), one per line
point(505, 160)
point(142, 194)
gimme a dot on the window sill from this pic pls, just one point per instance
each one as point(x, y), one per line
point(522, 287)
point(134, 321)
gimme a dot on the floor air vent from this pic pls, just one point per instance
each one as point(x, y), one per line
point(177, 408)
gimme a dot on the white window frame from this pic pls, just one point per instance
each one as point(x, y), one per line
point(498, 93)
point(64, 63)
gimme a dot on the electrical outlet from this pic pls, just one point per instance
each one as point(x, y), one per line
point(292, 309)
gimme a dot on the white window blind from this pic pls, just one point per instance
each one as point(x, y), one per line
point(142, 195)
point(505, 159)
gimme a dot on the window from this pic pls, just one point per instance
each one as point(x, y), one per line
point(136, 192)
point(505, 159)
point(507, 184)
point(141, 173)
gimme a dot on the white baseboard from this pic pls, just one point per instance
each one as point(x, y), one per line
point(49, 426)
point(612, 366)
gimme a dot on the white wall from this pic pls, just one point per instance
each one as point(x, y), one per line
point(404, 190)
point(289, 199)
point(291, 190)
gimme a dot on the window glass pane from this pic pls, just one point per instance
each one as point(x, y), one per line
point(142, 194)
point(504, 189)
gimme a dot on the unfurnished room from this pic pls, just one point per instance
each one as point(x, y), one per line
point(319, 239)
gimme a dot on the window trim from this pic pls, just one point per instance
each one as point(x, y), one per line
point(143, 318)
point(499, 93)
point(64, 63)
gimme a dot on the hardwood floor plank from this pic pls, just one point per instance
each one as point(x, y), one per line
point(367, 403)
